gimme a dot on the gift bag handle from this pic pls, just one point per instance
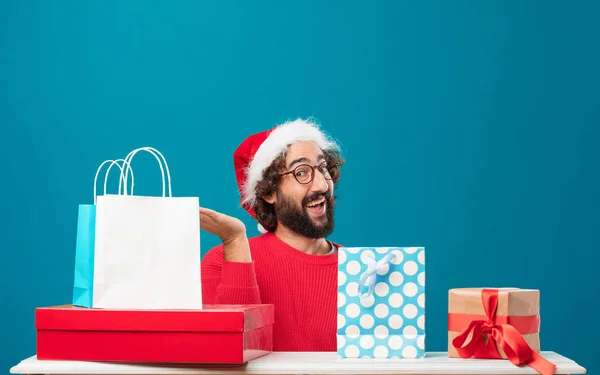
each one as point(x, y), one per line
point(112, 162)
point(124, 177)
point(155, 153)
point(121, 177)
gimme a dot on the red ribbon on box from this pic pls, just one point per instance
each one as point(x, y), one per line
point(500, 331)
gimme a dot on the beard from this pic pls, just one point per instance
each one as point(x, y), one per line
point(297, 219)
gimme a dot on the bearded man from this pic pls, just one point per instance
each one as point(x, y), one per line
point(286, 177)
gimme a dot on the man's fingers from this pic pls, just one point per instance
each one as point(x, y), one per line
point(206, 211)
point(208, 214)
point(209, 219)
point(212, 214)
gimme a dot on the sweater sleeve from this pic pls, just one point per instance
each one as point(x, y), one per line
point(228, 283)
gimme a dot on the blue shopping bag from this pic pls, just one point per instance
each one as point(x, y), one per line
point(84, 256)
point(83, 282)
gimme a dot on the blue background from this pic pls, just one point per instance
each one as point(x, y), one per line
point(470, 128)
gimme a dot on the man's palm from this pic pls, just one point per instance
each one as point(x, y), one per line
point(226, 227)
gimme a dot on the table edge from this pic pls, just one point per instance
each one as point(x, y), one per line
point(573, 368)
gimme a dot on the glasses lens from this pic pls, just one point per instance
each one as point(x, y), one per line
point(324, 169)
point(303, 174)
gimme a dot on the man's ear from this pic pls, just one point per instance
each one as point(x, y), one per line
point(271, 198)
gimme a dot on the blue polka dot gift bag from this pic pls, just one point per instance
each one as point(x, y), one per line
point(381, 302)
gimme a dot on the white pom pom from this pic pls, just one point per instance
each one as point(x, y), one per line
point(261, 229)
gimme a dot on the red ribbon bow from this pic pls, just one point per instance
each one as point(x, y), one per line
point(505, 336)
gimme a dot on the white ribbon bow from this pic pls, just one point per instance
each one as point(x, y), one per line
point(369, 276)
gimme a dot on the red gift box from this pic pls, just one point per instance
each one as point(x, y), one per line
point(232, 334)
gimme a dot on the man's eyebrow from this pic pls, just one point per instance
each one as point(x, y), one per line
point(299, 160)
point(305, 160)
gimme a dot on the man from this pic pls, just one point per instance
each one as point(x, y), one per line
point(286, 177)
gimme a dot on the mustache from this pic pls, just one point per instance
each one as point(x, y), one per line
point(315, 196)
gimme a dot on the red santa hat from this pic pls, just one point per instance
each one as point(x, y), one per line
point(258, 151)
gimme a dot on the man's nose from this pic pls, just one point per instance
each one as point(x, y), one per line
point(319, 183)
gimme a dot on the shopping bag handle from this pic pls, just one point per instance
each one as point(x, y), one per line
point(121, 177)
point(155, 153)
point(112, 163)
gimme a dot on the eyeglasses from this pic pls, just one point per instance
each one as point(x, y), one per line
point(305, 173)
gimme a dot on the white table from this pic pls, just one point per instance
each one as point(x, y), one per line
point(320, 363)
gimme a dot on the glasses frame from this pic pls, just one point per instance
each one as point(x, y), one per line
point(312, 172)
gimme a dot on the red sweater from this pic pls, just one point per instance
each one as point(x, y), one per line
point(302, 288)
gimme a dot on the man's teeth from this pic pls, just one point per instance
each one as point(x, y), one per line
point(314, 203)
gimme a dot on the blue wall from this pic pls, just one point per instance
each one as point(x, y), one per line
point(470, 128)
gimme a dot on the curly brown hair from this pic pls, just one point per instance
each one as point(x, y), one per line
point(265, 212)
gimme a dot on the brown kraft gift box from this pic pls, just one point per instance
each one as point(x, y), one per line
point(517, 307)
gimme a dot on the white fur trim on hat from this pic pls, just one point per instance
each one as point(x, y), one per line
point(260, 228)
point(276, 144)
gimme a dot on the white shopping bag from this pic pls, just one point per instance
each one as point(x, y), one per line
point(147, 248)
